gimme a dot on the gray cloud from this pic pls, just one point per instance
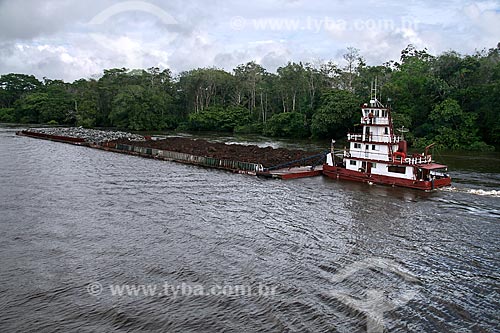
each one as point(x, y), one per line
point(28, 19)
point(53, 38)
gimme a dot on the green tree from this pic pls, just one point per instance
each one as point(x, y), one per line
point(354, 62)
point(42, 107)
point(137, 108)
point(7, 115)
point(338, 111)
point(14, 86)
point(109, 85)
point(216, 118)
point(248, 78)
point(453, 128)
point(414, 89)
point(85, 96)
point(205, 87)
point(287, 124)
point(292, 85)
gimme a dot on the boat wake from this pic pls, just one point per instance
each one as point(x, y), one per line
point(489, 193)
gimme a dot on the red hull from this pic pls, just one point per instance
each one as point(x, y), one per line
point(344, 174)
point(58, 138)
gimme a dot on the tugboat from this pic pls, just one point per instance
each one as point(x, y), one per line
point(377, 155)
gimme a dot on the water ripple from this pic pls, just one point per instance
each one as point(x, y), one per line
point(72, 215)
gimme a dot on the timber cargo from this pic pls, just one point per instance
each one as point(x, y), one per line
point(166, 155)
point(246, 159)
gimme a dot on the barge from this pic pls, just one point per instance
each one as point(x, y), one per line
point(200, 157)
point(376, 155)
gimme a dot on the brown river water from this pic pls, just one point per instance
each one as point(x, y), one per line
point(92, 241)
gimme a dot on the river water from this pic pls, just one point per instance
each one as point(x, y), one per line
point(312, 255)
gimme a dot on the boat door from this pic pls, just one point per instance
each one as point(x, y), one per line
point(368, 167)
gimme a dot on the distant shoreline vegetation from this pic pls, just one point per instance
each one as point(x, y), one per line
point(450, 99)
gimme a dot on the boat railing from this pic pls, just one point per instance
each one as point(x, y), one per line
point(371, 155)
point(355, 137)
point(415, 160)
point(419, 160)
point(373, 138)
point(375, 120)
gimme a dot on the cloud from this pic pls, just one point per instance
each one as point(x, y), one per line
point(45, 60)
point(56, 38)
point(29, 19)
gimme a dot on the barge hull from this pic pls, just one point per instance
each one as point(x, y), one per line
point(341, 173)
point(57, 138)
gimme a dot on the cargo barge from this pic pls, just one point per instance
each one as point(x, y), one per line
point(173, 156)
point(285, 170)
point(375, 156)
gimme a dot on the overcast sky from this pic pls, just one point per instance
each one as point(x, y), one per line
point(71, 39)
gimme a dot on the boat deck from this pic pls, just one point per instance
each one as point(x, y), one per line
point(292, 173)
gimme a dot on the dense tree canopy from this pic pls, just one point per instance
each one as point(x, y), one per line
point(450, 99)
point(337, 113)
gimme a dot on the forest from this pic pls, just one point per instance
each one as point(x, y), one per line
point(450, 99)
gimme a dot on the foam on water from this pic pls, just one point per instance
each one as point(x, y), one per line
point(481, 192)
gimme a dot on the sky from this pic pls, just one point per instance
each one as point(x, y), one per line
point(71, 39)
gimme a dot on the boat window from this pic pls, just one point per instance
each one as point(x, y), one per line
point(357, 145)
point(374, 165)
point(397, 169)
point(386, 130)
point(366, 147)
point(377, 113)
point(373, 147)
point(384, 113)
point(352, 162)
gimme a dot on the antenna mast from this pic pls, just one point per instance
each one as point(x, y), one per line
point(373, 94)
